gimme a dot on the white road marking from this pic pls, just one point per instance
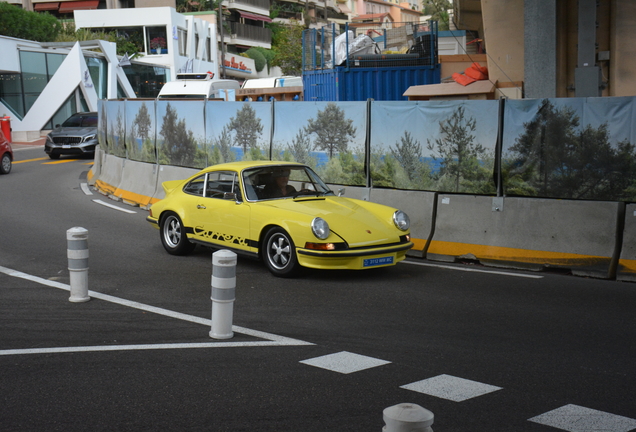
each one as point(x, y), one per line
point(113, 206)
point(466, 269)
point(576, 418)
point(271, 339)
point(345, 362)
point(85, 189)
point(451, 388)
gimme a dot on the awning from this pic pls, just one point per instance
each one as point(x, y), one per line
point(255, 16)
point(68, 7)
point(46, 6)
point(344, 9)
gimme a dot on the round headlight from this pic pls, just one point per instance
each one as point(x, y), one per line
point(320, 228)
point(401, 220)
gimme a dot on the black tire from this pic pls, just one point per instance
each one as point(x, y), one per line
point(279, 253)
point(173, 236)
point(5, 164)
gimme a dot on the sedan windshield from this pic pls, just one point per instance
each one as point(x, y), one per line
point(286, 181)
point(81, 121)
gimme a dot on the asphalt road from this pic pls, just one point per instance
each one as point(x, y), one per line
point(483, 349)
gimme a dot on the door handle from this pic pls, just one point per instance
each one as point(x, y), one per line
point(200, 207)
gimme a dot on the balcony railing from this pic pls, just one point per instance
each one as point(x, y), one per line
point(245, 31)
point(263, 4)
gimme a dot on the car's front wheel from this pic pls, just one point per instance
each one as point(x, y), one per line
point(173, 236)
point(5, 164)
point(280, 254)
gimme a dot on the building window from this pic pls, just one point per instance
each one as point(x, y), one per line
point(157, 40)
point(183, 41)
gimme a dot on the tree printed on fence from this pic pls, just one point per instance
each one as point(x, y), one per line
point(333, 130)
point(247, 128)
point(179, 146)
point(557, 157)
point(461, 168)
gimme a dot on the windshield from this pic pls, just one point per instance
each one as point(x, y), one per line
point(285, 181)
point(81, 121)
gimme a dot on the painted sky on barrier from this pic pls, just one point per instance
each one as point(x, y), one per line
point(617, 112)
point(389, 120)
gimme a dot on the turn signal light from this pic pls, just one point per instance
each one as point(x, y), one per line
point(320, 246)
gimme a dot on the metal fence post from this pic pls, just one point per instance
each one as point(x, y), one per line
point(223, 293)
point(407, 417)
point(77, 253)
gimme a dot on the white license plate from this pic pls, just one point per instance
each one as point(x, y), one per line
point(372, 262)
point(65, 146)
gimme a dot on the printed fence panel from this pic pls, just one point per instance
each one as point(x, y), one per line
point(571, 148)
point(328, 136)
point(237, 131)
point(446, 146)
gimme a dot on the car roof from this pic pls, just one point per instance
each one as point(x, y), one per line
point(242, 165)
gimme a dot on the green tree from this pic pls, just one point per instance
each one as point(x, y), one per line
point(179, 146)
point(259, 59)
point(456, 148)
point(287, 44)
point(438, 10)
point(408, 153)
point(143, 122)
point(120, 131)
point(224, 146)
point(300, 146)
point(332, 129)
point(557, 158)
point(18, 23)
point(247, 127)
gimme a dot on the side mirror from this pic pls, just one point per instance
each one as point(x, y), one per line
point(341, 191)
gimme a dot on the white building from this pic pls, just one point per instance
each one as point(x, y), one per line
point(182, 43)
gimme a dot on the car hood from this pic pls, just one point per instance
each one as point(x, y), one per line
point(359, 223)
point(73, 131)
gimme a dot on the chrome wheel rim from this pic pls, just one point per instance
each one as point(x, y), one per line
point(279, 251)
point(172, 232)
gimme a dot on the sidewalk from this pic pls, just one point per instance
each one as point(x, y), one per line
point(16, 145)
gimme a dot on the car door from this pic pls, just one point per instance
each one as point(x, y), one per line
point(222, 217)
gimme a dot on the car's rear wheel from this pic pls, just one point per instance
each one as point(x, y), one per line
point(5, 164)
point(173, 236)
point(280, 254)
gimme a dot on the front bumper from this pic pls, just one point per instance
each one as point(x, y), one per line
point(76, 149)
point(354, 259)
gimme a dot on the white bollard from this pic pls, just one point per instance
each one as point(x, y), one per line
point(223, 293)
point(407, 417)
point(77, 253)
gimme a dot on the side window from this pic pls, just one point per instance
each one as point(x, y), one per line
point(223, 185)
point(195, 187)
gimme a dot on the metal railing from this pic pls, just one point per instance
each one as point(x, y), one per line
point(245, 31)
point(263, 4)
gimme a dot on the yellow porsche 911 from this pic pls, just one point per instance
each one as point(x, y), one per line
point(282, 213)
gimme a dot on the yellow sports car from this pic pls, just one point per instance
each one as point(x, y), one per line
point(282, 213)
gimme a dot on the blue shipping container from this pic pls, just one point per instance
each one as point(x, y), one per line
point(359, 84)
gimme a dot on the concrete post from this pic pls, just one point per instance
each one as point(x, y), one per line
point(223, 293)
point(407, 417)
point(77, 253)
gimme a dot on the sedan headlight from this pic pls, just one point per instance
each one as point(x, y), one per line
point(89, 138)
point(320, 228)
point(401, 220)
